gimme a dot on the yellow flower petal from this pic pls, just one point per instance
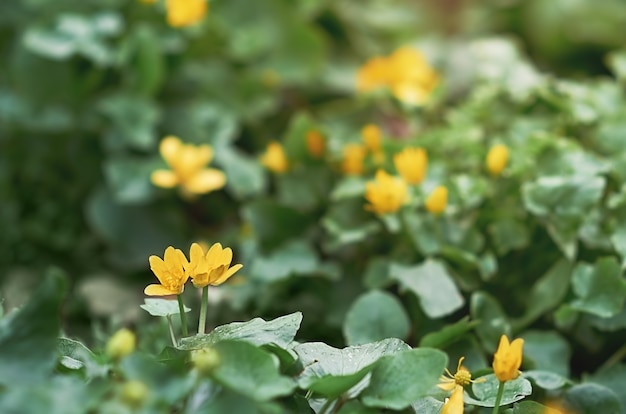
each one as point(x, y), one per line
point(169, 149)
point(437, 200)
point(158, 290)
point(227, 275)
point(508, 358)
point(454, 404)
point(386, 194)
point(206, 181)
point(164, 178)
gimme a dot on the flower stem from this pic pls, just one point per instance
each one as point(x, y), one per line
point(169, 323)
point(496, 408)
point(203, 307)
point(183, 317)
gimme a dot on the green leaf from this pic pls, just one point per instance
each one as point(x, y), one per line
point(28, 336)
point(593, 398)
point(320, 360)
point(400, 379)
point(133, 120)
point(304, 188)
point(449, 334)
point(244, 175)
point(618, 239)
point(531, 407)
point(601, 288)
point(562, 195)
point(76, 356)
point(548, 351)
point(279, 331)
point(273, 223)
point(432, 284)
point(614, 378)
point(423, 231)
point(486, 391)
point(162, 307)
point(348, 187)
point(548, 292)
point(294, 258)
point(617, 63)
point(332, 386)
point(129, 178)
point(250, 371)
point(427, 405)
point(374, 316)
point(508, 234)
point(493, 320)
point(546, 379)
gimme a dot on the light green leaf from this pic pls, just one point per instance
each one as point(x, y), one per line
point(129, 178)
point(600, 288)
point(400, 379)
point(432, 284)
point(548, 351)
point(530, 407)
point(248, 370)
point(162, 307)
point(593, 398)
point(244, 175)
point(74, 355)
point(508, 234)
point(546, 379)
point(493, 320)
point(348, 187)
point(374, 316)
point(448, 334)
point(614, 378)
point(279, 331)
point(562, 195)
point(487, 391)
point(294, 258)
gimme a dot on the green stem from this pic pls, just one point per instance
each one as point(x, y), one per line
point(496, 408)
point(169, 323)
point(203, 307)
point(183, 317)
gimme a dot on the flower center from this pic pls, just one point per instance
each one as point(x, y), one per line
point(463, 377)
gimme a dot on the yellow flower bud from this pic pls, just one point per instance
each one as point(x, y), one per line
point(497, 158)
point(508, 359)
point(134, 393)
point(315, 143)
point(181, 13)
point(274, 158)
point(437, 200)
point(121, 344)
point(205, 360)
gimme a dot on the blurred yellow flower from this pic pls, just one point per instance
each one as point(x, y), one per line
point(210, 268)
point(406, 72)
point(274, 158)
point(181, 13)
point(315, 143)
point(508, 359)
point(134, 393)
point(205, 360)
point(353, 156)
point(170, 272)
point(497, 159)
point(454, 404)
point(121, 344)
point(372, 137)
point(386, 194)
point(437, 200)
point(412, 164)
point(188, 167)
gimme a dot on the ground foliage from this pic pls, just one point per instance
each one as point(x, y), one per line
point(344, 310)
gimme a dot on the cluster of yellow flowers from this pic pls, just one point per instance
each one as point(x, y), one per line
point(212, 267)
point(506, 364)
point(406, 72)
point(188, 168)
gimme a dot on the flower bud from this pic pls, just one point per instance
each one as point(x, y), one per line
point(497, 159)
point(134, 393)
point(121, 344)
point(205, 360)
point(437, 200)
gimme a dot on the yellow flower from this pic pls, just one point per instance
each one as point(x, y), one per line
point(412, 164)
point(454, 404)
point(497, 158)
point(437, 200)
point(121, 344)
point(181, 13)
point(187, 163)
point(274, 158)
point(315, 143)
point(462, 377)
point(373, 74)
point(353, 156)
point(386, 194)
point(508, 358)
point(210, 268)
point(170, 272)
point(372, 137)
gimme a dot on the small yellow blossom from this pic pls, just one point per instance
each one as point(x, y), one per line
point(181, 13)
point(170, 272)
point(497, 159)
point(210, 268)
point(315, 143)
point(121, 344)
point(371, 136)
point(353, 156)
point(437, 200)
point(386, 194)
point(412, 164)
point(188, 167)
point(405, 72)
point(508, 359)
point(134, 393)
point(454, 404)
point(274, 158)
point(462, 377)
